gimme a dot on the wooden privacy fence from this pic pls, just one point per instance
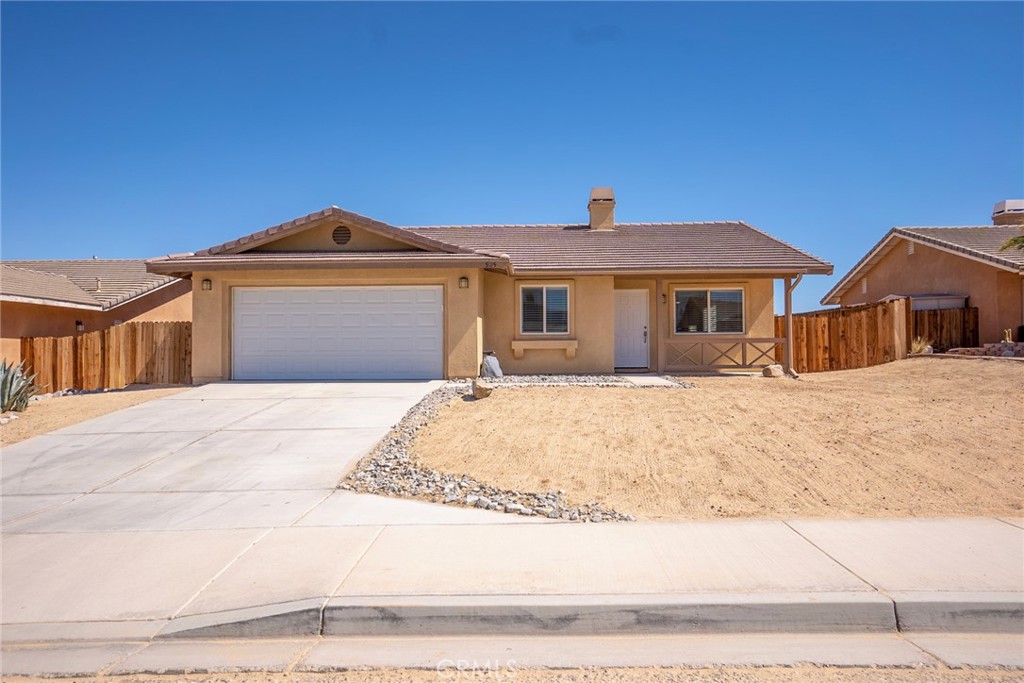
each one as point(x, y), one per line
point(131, 353)
point(847, 338)
point(947, 328)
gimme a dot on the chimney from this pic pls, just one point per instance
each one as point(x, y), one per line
point(1009, 212)
point(602, 208)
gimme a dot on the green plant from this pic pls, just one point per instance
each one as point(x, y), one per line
point(16, 387)
point(919, 345)
point(1014, 242)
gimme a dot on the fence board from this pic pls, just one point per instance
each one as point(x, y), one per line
point(131, 353)
point(947, 328)
point(847, 338)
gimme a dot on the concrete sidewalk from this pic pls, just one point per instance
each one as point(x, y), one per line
point(304, 578)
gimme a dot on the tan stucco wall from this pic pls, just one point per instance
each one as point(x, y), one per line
point(17, 320)
point(592, 318)
point(484, 316)
point(591, 324)
point(211, 311)
point(319, 239)
point(997, 293)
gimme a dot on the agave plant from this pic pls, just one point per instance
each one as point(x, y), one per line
point(16, 387)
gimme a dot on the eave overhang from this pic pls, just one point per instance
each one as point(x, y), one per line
point(185, 266)
point(661, 272)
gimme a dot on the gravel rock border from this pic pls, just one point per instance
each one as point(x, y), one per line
point(389, 471)
point(513, 381)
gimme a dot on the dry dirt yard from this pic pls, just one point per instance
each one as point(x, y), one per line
point(920, 437)
point(55, 413)
point(730, 675)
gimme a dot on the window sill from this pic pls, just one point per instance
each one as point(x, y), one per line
point(520, 346)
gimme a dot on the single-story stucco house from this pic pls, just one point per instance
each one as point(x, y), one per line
point(947, 267)
point(62, 297)
point(336, 295)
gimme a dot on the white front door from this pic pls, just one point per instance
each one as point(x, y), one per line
point(313, 333)
point(632, 333)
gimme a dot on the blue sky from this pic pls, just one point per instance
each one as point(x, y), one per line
point(139, 129)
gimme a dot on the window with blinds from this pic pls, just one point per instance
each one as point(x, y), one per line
point(704, 311)
point(544, 309)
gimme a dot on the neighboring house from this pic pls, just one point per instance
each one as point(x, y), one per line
point(335, 295)
point(947, 267)
point(58, 298)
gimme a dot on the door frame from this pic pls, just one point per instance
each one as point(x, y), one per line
point(647, 318)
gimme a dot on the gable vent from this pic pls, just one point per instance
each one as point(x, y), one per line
point(910, 248)
point(341, 235)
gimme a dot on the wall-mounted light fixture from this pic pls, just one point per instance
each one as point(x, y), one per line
point(207, 285)
point(463, 282)
point(664, 298)
point(79, 326)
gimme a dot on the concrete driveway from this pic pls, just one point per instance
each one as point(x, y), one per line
point(137, 515)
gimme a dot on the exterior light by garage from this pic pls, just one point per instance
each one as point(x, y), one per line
point(207, 284)
point(463, 282)
point(79, 326)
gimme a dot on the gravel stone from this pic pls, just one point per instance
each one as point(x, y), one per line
point(390, 471)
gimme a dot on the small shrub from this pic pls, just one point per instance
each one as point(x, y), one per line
point(920, 345)
point(16, 387)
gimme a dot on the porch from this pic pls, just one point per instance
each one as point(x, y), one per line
point(710, 324)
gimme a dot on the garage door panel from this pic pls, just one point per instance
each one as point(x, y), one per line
point(324, 296)
point(376, 295)
point(338, 333)
point(270, 296)
point(431, 296)
point(403, 319)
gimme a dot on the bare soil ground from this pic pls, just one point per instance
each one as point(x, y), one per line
point(732, 675)
point(920, 437)
point(54, 413)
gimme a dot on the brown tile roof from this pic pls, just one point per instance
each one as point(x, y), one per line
point(21, 283)
point(276, 232)
point(104, 282)
point(632, 247)
point(979, 242)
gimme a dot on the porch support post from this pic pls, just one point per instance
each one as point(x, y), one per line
point(660, 328)
point(788, 356)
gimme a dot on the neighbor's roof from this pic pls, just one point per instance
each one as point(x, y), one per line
point(21, 283)
point(92, 283)
point(976, 242)
point(630, 247)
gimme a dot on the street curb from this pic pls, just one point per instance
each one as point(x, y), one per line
point(297, 619)
point(940, 612)
point(609, 614)
point(442, 615)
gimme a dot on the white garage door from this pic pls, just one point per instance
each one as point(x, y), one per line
point(337, 333)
